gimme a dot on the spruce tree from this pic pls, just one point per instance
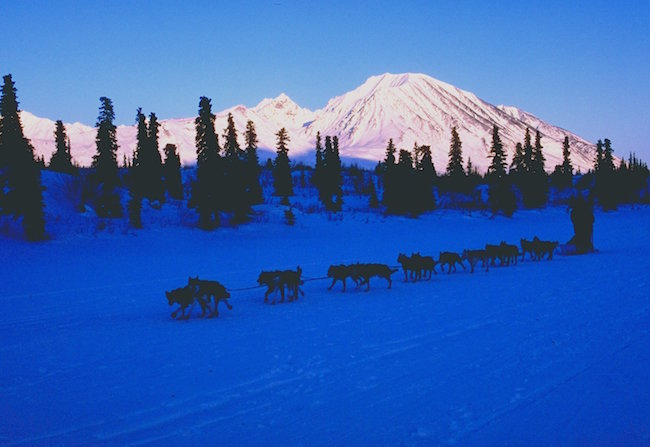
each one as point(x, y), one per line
point(330, 179)
point(336, 174)
point(425, 176)
point(530, 174)
point(608, 157)
point(388, 169)
point(470, 169)
point(61, 160)
point(205, 191)
point(517, 166)
point(253, 169)
point(147, 162)
point(455, 166)
point(567, 167)
point(390, 154)
point(318, 167)
point(501, 197)
point(407, 201)
point(497, 168)
point(236, 198)
point(528, 153)
point(155, 188)
point(21, 192)
point(140, 154)
point(599, 156)
point(563, 173)
point(538, 159)
point(282, 182)
point(172, 172)
point(606, 188)
point(456, 178)
point(104, 179)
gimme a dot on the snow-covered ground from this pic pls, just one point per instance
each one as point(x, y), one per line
point(541, 353)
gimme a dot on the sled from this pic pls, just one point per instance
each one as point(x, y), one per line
point(569, 249)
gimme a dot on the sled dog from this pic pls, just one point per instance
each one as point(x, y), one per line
point(367, 271)
point(340, 273)
point(450, 259)
point(474, 256)
point(184, 296)
point(279, 280)
point(206, 291)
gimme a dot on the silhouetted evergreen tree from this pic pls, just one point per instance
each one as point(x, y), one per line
point(563, 174)
point(538, 160)
point(527, 172)
point(253, 168)
point(425, 177)
point(606, 188)
point(205, 191)
point(331, 178)
point(599, 156)
point(155, 188)
point(61, 160)
point(21, 193)
point(456, 178)
point(404, 178)
point(501, 196)
point(172, 172)
point(632, 181)
point(388, 170)
point(455, 165)
point(567, 167)
point(140, 153)
point(147, 162)
point(518, 166)
point(236, 197)
point(104, 179)
point(528, 153)
point(282, 182)
point(608, 157)
point(537, 191)
point(497, 166)
point(318, 167)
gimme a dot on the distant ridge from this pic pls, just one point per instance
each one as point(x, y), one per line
point(408, 108)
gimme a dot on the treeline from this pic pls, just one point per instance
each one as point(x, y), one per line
point(411, 185)
point(227, 180)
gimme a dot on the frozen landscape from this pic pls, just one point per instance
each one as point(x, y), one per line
point(541, 353)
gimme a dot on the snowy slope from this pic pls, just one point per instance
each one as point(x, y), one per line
point(407, 107)
point(541, 353)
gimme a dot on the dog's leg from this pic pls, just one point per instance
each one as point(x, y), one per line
point(215, 312)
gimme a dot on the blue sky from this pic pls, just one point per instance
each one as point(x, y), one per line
point(582, 65)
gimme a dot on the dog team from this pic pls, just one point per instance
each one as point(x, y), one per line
point(415, 267)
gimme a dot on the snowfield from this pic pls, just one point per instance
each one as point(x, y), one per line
point(541, 353)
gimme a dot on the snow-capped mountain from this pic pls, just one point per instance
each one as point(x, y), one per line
point(408, 108)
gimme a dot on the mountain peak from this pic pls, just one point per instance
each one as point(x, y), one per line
point(283, 111)
point(279, 102)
